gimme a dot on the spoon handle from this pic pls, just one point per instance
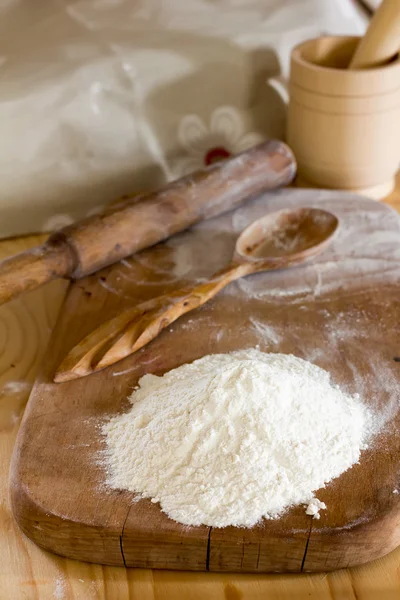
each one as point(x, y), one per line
point(135, 327)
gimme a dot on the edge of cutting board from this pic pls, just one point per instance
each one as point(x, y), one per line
point(205, 548)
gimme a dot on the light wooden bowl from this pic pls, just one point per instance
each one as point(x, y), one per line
point(344, 125)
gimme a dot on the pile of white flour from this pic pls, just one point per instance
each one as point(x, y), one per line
point(232, 438)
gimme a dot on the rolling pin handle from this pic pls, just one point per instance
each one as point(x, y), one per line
point(35, 267)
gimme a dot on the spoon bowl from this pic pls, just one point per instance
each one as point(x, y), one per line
point(290, 234)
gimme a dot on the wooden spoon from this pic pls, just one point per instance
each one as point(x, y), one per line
point(276, 241)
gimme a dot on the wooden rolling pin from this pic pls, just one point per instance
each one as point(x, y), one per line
point(382, 39)
point(137, 223)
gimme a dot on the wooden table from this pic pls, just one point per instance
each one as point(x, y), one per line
point(27, 572)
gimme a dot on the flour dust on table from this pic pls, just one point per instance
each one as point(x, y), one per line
point(233, 438)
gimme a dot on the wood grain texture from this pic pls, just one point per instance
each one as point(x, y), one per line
point(30, 573)
point(341, 312)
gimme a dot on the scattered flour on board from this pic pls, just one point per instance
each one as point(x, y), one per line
point(314, 507)
point(266, 332)
point(60, 590)
point(232, 438)
point(15, 387)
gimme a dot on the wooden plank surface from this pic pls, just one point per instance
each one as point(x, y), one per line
point(29, 572)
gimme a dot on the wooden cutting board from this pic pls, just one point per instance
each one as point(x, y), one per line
point(341, 312)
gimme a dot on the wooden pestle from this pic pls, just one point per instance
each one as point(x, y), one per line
point(382, 39)
point(137, 223)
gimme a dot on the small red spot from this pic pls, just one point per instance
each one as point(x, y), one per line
point(216, 154)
